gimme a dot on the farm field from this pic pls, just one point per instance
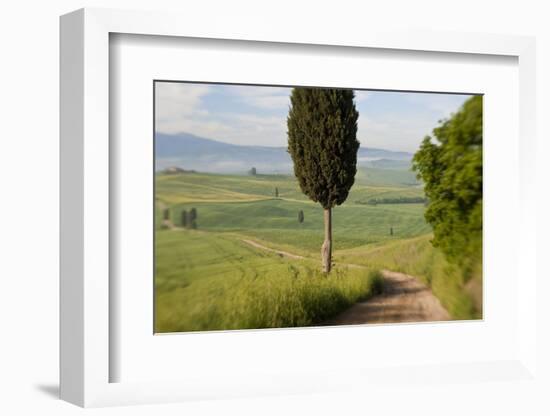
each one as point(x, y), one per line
point(196, 290)
point(214, 281)
point(255, 211)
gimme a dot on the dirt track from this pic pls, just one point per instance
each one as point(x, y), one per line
point(404, 299)
point(279, 252)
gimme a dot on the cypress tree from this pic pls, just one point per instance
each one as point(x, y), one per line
point(184, 219)
point(166, 214)
point(193, 218)
point(322, 141)
point(301, 216)
point(276, 192)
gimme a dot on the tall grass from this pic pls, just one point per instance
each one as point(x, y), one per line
point(253, 290)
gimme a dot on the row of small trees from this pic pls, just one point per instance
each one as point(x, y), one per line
point(188, 219)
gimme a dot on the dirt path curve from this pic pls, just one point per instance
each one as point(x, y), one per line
point(404, 299)
point(279, 252)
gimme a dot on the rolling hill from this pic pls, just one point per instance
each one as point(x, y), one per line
point(192, 152)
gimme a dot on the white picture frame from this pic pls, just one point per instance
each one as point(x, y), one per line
point(86, 354)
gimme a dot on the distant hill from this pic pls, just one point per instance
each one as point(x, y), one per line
point(191, 152)
point(397, 164)
point(367, 154)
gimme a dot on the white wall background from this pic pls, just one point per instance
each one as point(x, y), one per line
point(29, 206)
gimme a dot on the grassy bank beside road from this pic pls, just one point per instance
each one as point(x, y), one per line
point(417, 257)
point(213, 281)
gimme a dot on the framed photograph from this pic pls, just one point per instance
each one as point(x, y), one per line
point(278, 212)
point(239, 223)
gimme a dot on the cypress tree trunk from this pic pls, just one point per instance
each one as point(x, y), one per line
point(326, 249)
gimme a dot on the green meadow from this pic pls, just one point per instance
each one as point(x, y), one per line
point(211, 281)
point(209, 278)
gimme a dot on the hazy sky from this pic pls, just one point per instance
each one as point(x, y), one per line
point(257, 115)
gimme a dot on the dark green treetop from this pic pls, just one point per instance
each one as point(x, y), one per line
point(192, 218)
point(322, 141)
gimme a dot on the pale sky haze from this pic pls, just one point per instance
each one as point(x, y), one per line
point(256, 115)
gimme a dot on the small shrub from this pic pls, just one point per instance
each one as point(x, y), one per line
point(192, 219)
point(377, 282)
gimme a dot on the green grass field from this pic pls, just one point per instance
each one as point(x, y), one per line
point(213, 281)
point(209, 279)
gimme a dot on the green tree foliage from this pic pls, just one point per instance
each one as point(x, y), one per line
point(276, 192)
point(252, 171)
point(450, 165)
point(301, 216)
point(166, 214)
point(322, 141)
point(322, 131)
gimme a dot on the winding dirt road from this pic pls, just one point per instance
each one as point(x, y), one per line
point(404, 299)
